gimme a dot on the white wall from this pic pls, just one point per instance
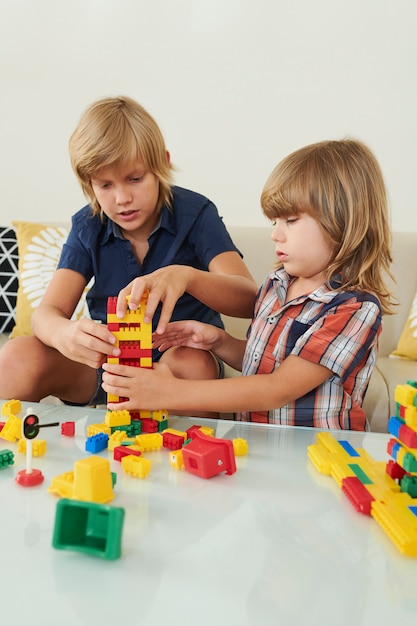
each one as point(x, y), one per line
point(234, 84)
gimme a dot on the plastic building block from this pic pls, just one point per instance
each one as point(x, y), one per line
point(96, 443)
point(149, 425)
point(91, 528)
point(90, 481)
point(357, 494)
point(6, 458)
point(240, 447)
point(173, 440)
point(176, 459)
point(121, 451)
point(95, 429)
point(38, 447)
point(207, 456)
point(117, 418)
point(11, 407)
point(116, 439)
point(136, 466)
point(149, 442)
point(12, 430)
point(68, 429)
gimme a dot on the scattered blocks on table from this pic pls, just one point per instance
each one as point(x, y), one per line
point(12, 430)
point(136, 466)
point(96, 443)
point(38, 446)
point(11, 407)
point(91, 481)
point(6, 458)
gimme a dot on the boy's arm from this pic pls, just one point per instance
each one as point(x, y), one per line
point(151, 389)
point(83, 341)
point(227, 287)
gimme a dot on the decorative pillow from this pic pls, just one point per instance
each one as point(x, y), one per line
point(407, 343)
point(8, 278)
point(39, 247)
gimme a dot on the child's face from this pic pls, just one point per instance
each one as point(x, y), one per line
point(301, 246)
point(128, 195)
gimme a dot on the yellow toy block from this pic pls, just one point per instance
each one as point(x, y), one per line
point(240, 446)
point(11, 407)
point(117, 418)
point(63, 485)
point(397, 517)
point(149, 441)
point(207, 431)
point(96, 429)
point(176, 459)
point(410, 416)
point(12, 430)
point(180, 433)
point(404, 394)
point(136, 466)
point(159, 416)
point(91, 481)
point(116, 439)
point(38, 446)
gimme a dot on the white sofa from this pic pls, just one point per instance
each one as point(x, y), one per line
point(257, 248)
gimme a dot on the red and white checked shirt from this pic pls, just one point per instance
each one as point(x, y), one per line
point(338, 330)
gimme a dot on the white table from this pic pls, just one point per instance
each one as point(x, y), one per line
point(275, 543)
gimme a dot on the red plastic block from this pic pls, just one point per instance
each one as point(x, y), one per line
point(207, 456)
point(149, 425)
point(358, 494)
point(394, 470)
point(121, 451)
point(68, 429)
point(172, 441)
point(408, 436)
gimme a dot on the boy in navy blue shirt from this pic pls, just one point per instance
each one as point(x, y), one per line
point(138, 232)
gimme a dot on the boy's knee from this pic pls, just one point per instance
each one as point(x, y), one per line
point(191, 363)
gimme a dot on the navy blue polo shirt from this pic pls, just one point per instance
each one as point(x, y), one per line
point(191, 234)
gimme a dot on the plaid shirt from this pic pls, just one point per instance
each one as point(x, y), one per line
point(336, 329)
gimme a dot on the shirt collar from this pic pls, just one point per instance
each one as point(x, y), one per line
point(166, 221)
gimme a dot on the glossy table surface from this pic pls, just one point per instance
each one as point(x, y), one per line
point(274, 543)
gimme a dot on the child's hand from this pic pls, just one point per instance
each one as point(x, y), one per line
point(144, 387)
point(188, 333)
point(87, 342)
point(165, 285)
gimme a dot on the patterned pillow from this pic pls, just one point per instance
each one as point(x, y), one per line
point(8, 278)
point(39, 247)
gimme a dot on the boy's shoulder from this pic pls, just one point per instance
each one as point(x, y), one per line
point(187, 200)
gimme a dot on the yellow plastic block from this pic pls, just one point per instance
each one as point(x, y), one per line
point(38, 446)
point(159, 416)
point(63, 485)
point(398, 521)
point(207, 431)
point(136, 466)
point(180, 433)
point(404, 394)
point(410, 416)
point(176, 459)
point(116, 439)
point(11, 407)
point(240, 446)
point(117, 418)
point(93, 480)
point(149, 441)
point(12, 430)
point(96, 429)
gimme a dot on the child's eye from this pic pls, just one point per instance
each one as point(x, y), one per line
point(291, 220)
point(136, 179)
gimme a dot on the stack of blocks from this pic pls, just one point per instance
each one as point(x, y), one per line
point(386, 491)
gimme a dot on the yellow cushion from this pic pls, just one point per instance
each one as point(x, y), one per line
point(39, 247)
point(407, 343)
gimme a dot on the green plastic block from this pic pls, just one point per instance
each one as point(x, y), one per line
point(88, 527)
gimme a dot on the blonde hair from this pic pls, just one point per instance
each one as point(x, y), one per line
point(340, 184)
point(116, 132)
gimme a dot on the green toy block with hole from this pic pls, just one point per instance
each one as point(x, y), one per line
point(88, 527)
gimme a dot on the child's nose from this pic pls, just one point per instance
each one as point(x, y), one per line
point(277, 232)
point(123, 196)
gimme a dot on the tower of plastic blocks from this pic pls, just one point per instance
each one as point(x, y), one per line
point(133, 337)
